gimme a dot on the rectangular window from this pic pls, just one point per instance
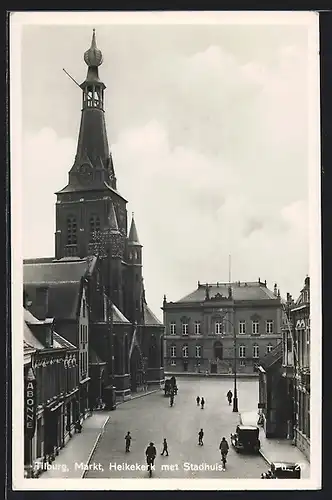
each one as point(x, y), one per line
point(269, 348)
point(173, 362)
point(255, 327)
point(184, 328)
point(198, 351)
point(185, 351)
point(172, 328)
point(242, 327)
point(269, 326)
point(255, 351)
point(242, 363)
point(242, 351)
point(173, 351)
point(219, 328)
point(197, 327)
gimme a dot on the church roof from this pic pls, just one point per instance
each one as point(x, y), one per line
point(149, 318)
point(133, 236)
point(63, 280)
point(240, 291)
point(66, 270)
point(59, 341)
point(63, 298)
point(73, 188)
point(118, 317)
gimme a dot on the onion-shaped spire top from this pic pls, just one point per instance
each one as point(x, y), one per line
point(93, 57)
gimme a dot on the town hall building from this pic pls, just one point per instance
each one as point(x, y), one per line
point(95, 254)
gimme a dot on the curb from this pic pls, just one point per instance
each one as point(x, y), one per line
point(138, 396)
point(211, 375)
point(95, 445)
point(265, 457)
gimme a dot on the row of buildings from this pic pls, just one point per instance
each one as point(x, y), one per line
point(284, 376)
point(86, 306)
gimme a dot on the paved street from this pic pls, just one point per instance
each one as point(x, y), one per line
point(151, 419)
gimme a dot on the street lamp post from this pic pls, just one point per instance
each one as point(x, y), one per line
point(235, 398)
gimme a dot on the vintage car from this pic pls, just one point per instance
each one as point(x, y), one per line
point(246, 438)
point(283, 470)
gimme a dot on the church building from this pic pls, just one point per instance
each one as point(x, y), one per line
point(91, 228)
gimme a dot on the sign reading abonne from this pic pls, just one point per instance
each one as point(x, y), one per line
point(30, 404)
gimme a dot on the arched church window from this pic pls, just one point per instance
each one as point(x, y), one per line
point(94, 226)
point(71, 231)
point(153, 353)
point(117, 354)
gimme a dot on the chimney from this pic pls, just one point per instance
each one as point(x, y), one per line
point(198, 284)
point(207, 292)
point(40, 308)
point(265, 284)
point(275, 289)
point(164, 301)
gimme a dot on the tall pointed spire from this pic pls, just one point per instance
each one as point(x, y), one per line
point(133, 237)
point(112, 219)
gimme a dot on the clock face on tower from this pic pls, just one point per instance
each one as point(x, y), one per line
point(86, 173)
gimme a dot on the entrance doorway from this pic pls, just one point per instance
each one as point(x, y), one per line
point(213, 368)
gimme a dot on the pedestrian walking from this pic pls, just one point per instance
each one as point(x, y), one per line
point(200, 437)
point(198, 400)
point(229, 396)
point(150, 454)
point(128, 441)
point(202, 403)
point(165, 448)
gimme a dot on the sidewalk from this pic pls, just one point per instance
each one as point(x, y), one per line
point(211, 375)
point(277, 450)
point(79, 449)
point(139, 395)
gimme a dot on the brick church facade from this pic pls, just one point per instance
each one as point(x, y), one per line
point(125, 337)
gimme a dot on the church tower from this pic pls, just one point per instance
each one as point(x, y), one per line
point(91, 202)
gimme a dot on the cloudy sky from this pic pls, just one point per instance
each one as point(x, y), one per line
point(208, 127)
